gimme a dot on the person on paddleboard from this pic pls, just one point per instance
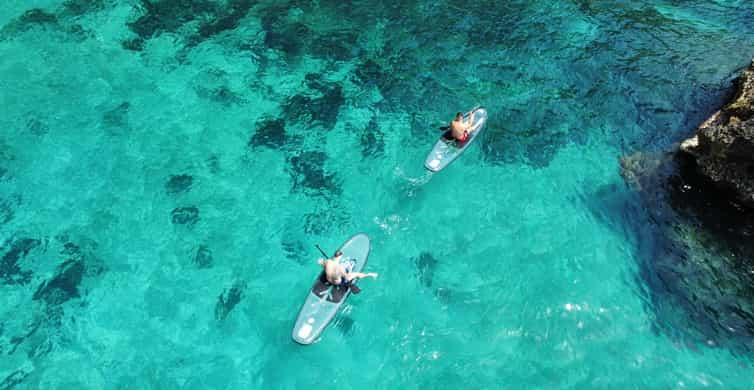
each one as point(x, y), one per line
point(461, 130)
point(339, 272)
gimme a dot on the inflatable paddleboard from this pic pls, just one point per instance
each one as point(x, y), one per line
point(324, 299)
point(447, 149)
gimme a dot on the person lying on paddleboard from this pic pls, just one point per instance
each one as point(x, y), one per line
point(461, 130)
point(338, 272)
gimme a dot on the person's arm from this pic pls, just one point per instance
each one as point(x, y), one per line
point(474, 127)
point(468, 125)
point(359, 275)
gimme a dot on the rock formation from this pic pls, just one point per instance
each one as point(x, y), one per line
point(723, 146)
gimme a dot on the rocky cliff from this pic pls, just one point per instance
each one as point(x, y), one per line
point(723, 146)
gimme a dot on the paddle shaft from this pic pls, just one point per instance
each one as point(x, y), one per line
point(321, 251)
point(444, 128)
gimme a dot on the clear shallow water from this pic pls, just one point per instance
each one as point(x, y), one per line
point(167, 170)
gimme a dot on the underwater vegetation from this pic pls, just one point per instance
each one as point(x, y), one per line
point(203, 257)
point(187, 216)
point(177, 184)
point(269, 133)
point(228, 300)
point(14, 250)
point(308, 174)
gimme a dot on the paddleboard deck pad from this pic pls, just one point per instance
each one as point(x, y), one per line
point(324, 299)
point(447, 149)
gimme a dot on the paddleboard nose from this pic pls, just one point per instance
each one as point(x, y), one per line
point(304, 332)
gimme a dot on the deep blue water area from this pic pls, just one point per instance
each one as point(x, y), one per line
point(167, 166)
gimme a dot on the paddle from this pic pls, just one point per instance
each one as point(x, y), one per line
point(445, 128)
point(354, 288)
point(321, 251)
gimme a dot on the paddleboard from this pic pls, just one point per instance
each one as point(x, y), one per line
point(447, 149)
point(324, 299)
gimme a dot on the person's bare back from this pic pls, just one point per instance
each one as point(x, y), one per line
point(333, 270)
point(461, 130)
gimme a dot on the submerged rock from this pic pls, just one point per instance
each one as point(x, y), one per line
point(203, 257)
point(6, 211)
point(270, 132)
point(723, 146)
point(161, 16)
point(426, 265)
point(15, 250)
point(188, 216)
point(37, 127)
point(285, 37)
point(228, 300)
point(63, 286)
point(14, 379)
point(320, 107)
point(81, 7)
point(30, 19)
point(372, 140)
point(40, 19)
point(693, 250)
point(322, 221)
point(196, 20)
point(117, 116)
point(37, 16)
point(178, 184)
point(226, 20)
point(295, 250)
point(308, 174)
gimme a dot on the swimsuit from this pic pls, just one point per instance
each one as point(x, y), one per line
point(465, 137)
point(348, 265)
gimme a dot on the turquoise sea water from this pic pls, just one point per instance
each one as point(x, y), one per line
point(167, 167)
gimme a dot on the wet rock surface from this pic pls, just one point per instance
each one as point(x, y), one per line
point(696, 245)
point(723, 146)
